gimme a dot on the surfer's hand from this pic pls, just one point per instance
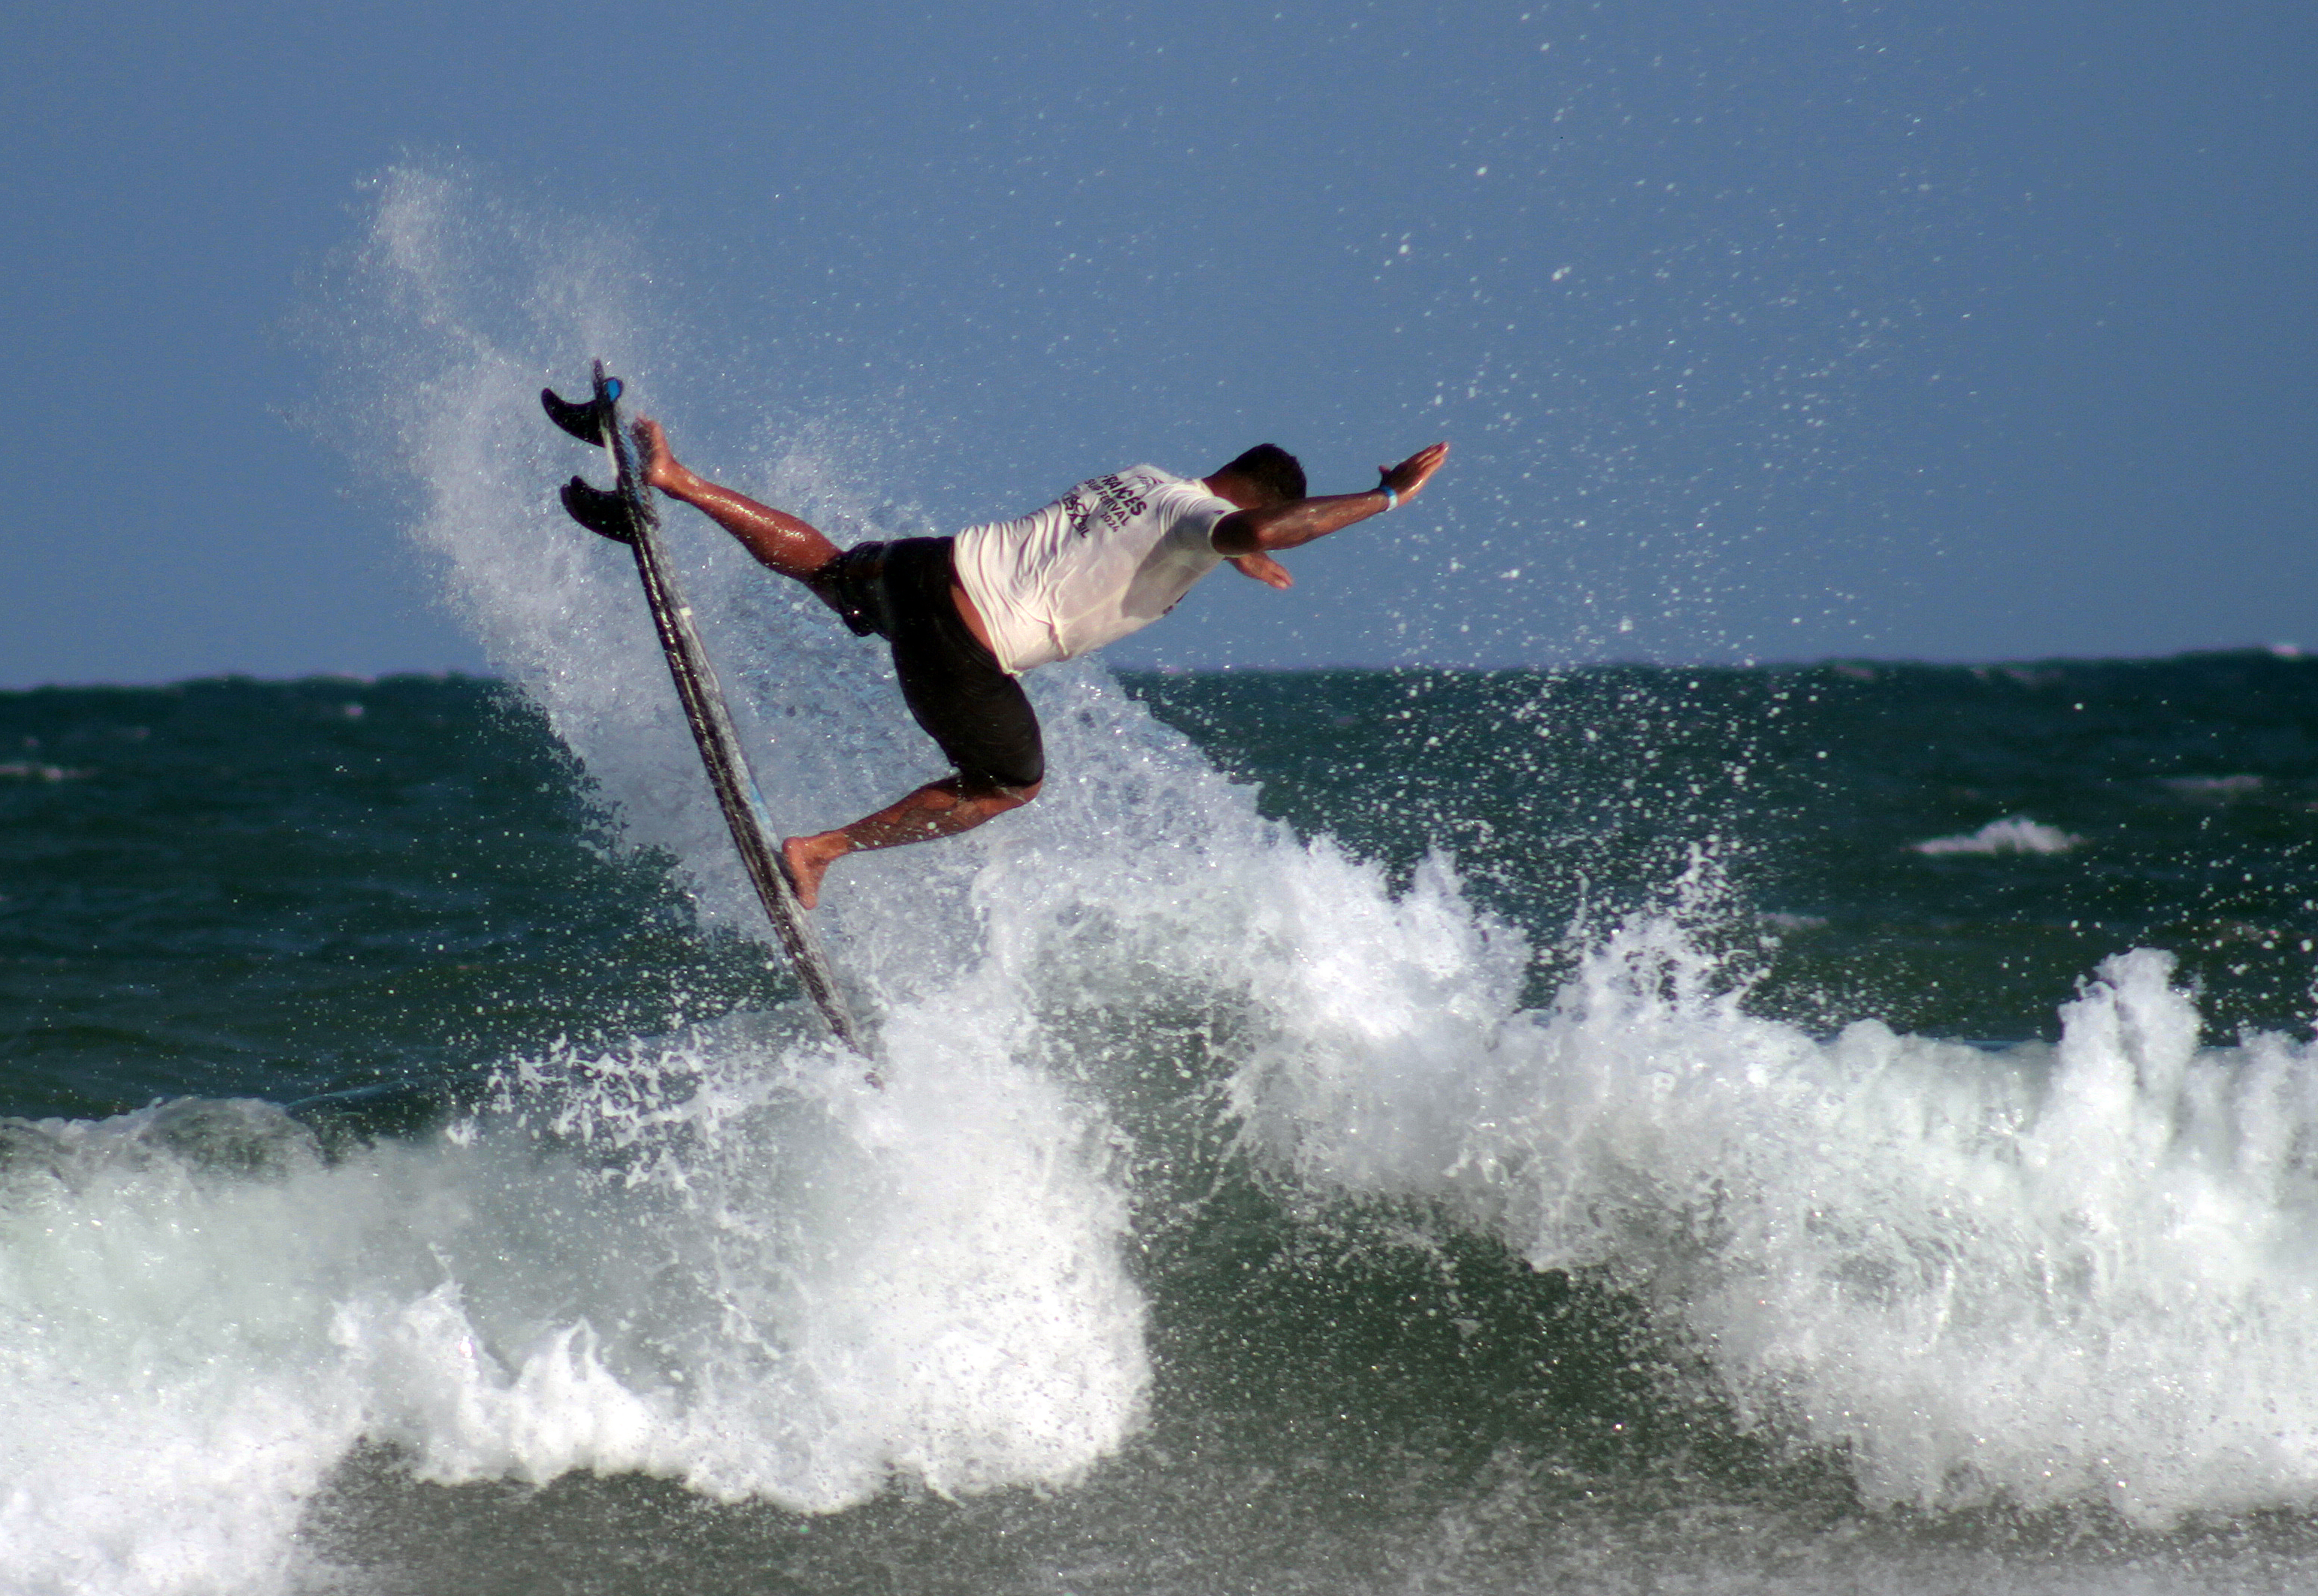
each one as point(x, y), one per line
point(662, 469)
point(1264, 569)
point(1413, 473)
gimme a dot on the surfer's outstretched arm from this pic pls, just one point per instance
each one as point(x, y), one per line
point(779, 540)
point(1255, 532)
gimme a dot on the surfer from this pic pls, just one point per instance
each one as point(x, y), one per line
point(966, 616)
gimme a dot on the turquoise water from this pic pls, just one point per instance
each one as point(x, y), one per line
point(1620, 1129)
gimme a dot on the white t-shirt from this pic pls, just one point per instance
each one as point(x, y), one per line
point(1106, 558)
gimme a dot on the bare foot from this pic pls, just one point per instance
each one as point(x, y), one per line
point(807, 859)
point(662, 469)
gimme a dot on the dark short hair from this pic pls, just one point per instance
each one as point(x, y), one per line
point(1271, 468)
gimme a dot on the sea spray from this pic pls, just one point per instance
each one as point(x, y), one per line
point(789, 1304)
point(444, 321)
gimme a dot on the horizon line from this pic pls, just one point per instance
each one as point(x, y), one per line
point(2280, 650)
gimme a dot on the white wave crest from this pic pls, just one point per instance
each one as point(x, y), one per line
point(2014, 835)
point(2067, 1273)
point(712, 1262)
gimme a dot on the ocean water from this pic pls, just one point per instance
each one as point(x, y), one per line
point(1848, 1128)
point(1361, 1130)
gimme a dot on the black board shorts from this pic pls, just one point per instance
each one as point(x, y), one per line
point(953, 684)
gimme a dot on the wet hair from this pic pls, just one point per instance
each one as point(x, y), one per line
point(1271, 468)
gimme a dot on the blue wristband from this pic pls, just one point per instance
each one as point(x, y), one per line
point(1391, 499)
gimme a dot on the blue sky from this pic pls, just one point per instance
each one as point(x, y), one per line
point(1761, 330)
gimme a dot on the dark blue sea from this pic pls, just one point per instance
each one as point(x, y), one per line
point(1848, 1127)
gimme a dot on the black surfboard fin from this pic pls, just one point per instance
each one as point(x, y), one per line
point(599, 511)
point(585, 422)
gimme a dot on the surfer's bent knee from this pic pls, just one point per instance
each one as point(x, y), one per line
point(1011, 794)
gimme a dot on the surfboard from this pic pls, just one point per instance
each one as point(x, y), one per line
point(626, 515)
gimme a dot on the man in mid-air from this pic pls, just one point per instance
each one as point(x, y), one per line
point(967, 615)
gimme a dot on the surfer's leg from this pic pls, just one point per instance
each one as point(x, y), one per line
point(938, 809)
point(967, 703)
point(979, 729)
point(986, 724)
point(780, 540)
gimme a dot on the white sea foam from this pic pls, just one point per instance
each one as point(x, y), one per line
point(2015, 834)
point(2069, 1273)
point(727, 1261)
